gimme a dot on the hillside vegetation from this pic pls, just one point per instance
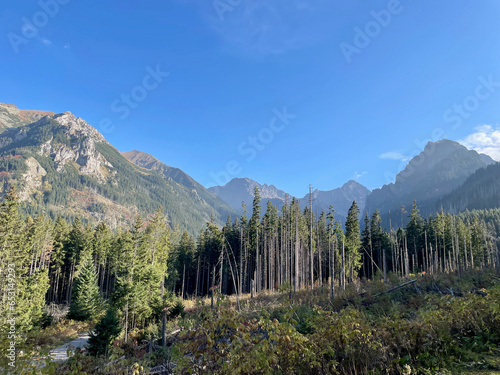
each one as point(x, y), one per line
point(64, 167)
point(322, 300)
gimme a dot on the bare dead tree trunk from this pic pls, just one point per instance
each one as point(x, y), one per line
point(311, 252)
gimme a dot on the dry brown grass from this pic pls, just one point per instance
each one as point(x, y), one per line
point(58, 334)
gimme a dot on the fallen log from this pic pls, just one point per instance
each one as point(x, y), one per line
point(396, 287)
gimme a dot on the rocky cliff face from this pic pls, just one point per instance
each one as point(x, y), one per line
point(433, 174)
point(33, 178)
point(64, 167)
point(77, 127)
point(82, 151)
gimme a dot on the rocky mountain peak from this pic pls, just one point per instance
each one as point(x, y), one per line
point(78, 127)
point(81, 151)
point(438, 170)
point(352, 184)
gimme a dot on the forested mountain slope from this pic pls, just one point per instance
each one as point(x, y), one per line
point(63, 166)
point(480, 191)
point(177, 175)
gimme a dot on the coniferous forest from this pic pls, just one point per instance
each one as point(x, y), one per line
point(277, 291)
point(229, 187)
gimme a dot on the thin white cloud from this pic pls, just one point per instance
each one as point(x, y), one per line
point(485, 140)
point(394, 155)
point(357, 175)
point(46, 42)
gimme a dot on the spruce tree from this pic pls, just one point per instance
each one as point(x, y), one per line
point(254, 229)
point(414, 231)
point(30, 287)
point(57, 258)
point(105, 332)
point(353, 242)
point(86, 302)
point(366, 244)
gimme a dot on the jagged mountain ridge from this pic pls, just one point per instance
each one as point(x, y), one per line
point(242, 189)
point(341, 198)
point(63, 166)
point(438, 170)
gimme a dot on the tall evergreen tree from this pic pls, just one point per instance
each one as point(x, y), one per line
point(254, 229)
point(30, 287)
point(86, 301)
point(366, 245)
point(414, 231)
point(60, 238)
point(353, 242)
point(105, 332)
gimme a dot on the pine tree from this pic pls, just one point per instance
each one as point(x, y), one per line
point(86, 303)
point(414, 231)
point(366, 244)
point(353, 242)
point(60, 238)
point(254, 229)
point(101, 249)
point(185, 260)
point(11, 232)
point(73, 250)
point(105, 332)
point(380, 240)
point(30, 287)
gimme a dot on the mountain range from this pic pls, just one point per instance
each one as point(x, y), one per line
point(240, 190)
point(429, 179)
point(62, 166)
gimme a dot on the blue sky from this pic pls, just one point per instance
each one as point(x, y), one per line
point(288, 92)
